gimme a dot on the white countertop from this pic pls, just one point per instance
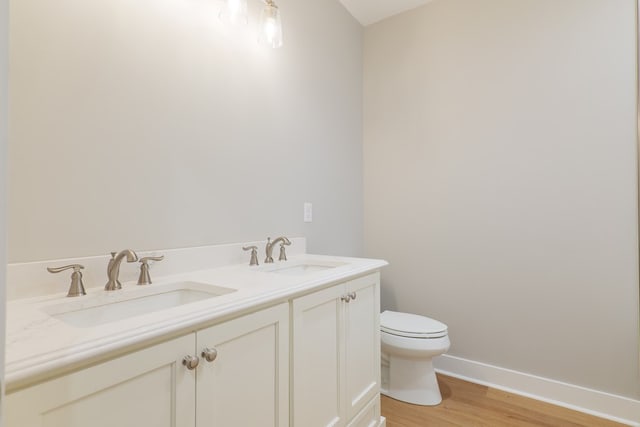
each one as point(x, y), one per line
point(39, 345)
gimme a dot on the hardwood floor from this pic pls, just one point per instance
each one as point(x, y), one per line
point(465, 404)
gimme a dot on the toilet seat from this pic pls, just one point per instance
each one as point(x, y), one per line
point(411, 325)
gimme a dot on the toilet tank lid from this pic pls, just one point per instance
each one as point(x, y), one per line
point(411, 323)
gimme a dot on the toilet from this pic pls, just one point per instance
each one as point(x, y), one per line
point(409, 344)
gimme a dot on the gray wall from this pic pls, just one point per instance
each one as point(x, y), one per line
point(151, 124)
point(4, 77)
point(500, 181)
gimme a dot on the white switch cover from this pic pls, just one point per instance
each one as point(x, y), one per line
point(308, 212)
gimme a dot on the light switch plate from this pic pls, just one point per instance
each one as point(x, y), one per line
point(308, 212)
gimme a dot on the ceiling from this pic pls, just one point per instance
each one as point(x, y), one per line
point(370, 11)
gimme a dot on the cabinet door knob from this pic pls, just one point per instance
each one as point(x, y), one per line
point(209, 354)
point(191, 362)
point(353, 295)
point(345, 298)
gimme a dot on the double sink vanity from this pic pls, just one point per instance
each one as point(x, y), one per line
point(291, 343)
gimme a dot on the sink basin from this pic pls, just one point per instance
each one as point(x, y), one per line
point(114, 306)
point(302, 269)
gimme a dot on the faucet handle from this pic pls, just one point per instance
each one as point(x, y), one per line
point(254, 254)
point(145, 277)
point(146, 259)
point(283, 254)
point(77, 287)
point(76, 268)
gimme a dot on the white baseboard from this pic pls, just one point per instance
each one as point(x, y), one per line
point(601, 404)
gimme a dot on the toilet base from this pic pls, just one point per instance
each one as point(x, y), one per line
point(410, 380)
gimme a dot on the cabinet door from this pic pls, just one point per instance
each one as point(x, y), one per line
point(362, 343)
point(318, 359)
point(149, 387)
point(247, 384)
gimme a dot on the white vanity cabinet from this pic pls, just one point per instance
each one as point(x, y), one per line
point(336, 355)
point(247, 384)
point(310, 361)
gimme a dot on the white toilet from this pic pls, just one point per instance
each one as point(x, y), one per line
point(409, 343)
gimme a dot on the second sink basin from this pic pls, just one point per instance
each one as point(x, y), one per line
point(299, 269)
point(111, 307)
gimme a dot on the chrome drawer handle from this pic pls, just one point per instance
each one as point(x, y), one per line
point(345, 298)
point(353, 295)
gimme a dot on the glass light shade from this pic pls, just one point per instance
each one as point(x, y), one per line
point(234, 11)
point(270, 25)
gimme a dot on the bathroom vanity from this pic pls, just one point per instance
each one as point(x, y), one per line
point(287, 344)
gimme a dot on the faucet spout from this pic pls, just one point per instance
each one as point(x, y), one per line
point(113, 269)
point(269, 248)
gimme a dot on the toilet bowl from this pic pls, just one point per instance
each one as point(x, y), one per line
point(409, 344)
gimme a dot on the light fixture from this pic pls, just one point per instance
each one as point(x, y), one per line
point(234, 11)
point(270, 25)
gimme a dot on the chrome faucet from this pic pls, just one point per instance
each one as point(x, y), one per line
point(113, 269)
point(269, 248)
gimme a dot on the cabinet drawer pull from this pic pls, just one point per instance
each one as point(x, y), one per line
point(345, 298)
point(191, 362)
point(209, 354)
point(353, 295)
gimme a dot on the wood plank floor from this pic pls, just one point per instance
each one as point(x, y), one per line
point(465, 404)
